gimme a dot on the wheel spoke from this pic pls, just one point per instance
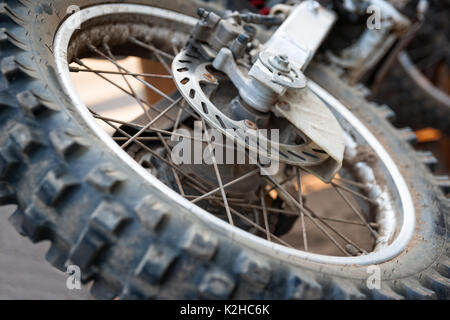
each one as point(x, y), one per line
point(81, 63)
point(148, 85)
point(281, 183)
point(337, 232)
point(175, 127)
point(302, 215)
point(143, 75)
point(243, 217)
point(148, 125)
point(150, 130)
point(357, 212)
point(151, 48)
point(264, 210)
point(178, 119)
point(216, 170)
point(359, 195)
point(351, 182)
point(133, 92)
point(175, 49)
point(230, 200)
point(297, 204)
point(294, 213)
point(156, 52)
point(245, 176)
point(138, 127)
point(121, 139)
point(168, 162)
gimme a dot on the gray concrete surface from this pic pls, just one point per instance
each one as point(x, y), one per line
point(24, 272)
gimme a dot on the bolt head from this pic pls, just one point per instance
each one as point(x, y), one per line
point(243, 38)
point(201, 12)
point(282, 59)
point(314, 6)
point(251, 125)
point(284, 105)
point(280, 62)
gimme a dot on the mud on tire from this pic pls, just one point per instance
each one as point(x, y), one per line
point(134, 241)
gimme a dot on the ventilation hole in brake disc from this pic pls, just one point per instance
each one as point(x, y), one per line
point(185, 61)
point(205, 108)
point(221, 121)
point(192, 56)
point(319, 151)
point(184, 69)
point(192, 94)
point(185, 80)
point(284, 155)
point(310, 155)
point(296, 155)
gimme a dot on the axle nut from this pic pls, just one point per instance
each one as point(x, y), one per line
point(285, 106)
point(280, 62)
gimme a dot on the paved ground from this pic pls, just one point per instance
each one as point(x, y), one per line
point(24, 273)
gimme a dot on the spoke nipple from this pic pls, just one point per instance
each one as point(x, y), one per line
point(351, 249)
point(251, 125)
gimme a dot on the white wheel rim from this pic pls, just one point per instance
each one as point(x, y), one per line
point(242, 237)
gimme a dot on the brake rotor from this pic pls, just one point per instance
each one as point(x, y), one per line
point(191, 73)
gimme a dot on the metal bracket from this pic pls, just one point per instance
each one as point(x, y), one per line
point(302, 33)
point(304, 110)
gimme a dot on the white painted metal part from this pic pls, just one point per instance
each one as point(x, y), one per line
point(302, 33)
point(310, 115)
